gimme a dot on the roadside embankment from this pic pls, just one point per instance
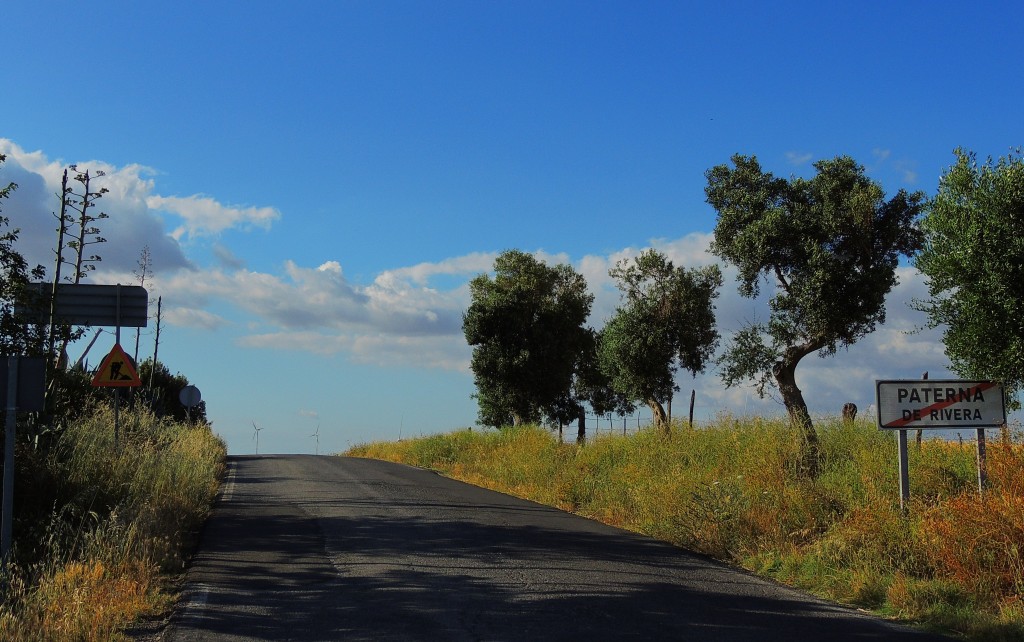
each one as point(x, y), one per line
point(101, 526)
point(953, 562)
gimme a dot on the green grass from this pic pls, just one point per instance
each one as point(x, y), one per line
point(730, 489)
point(115, 521)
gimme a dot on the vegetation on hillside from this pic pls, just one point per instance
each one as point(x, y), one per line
point(732, 489)
point(827, 247)
point(98, 523)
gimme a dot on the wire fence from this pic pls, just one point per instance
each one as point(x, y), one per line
point(612, 424)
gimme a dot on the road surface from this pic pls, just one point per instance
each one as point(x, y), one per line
point(335, 548)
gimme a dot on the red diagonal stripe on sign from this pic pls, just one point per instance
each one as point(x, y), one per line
point(899, 423)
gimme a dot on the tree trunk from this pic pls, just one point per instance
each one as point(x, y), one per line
point(785, 376)
point(581, 433)
point(849, 412)
point(660, 418)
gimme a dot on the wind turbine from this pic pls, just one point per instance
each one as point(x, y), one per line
point(256, 436)
point(317, 435)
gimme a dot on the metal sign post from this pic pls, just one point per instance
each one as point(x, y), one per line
point(982, 475)
point(23, 382)
point(938, 404)
point(10, 425)
point(904, 463)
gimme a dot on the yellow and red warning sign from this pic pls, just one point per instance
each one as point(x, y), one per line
point(116, 371)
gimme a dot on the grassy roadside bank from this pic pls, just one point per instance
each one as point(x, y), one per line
point(99, 529)
point(953, 562)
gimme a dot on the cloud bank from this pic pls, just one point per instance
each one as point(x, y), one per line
point(132, 225)
point(409, 316)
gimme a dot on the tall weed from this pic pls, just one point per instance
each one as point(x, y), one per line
point(978, 542)
point(122, 511)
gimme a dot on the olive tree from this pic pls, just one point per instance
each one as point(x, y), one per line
point(665, 323)
point(593, 386)
point(973, 259)
point(526, 328)
point(829, 246)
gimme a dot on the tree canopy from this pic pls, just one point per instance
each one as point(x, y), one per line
point(527, 328)
point(830, 246)
point(16, 337)
point(665, 323)
point(973, 259)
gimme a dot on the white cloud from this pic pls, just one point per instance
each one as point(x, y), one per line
point(371, 349)
point(798, 158)
point(401, 319)
point(689, 251)
point(204, 216)
point(907, 171)
point(193, 318)
point(420, 274)
point(136, 213)
point(904, 169)
point(307, 341)
point(130, 227)
point(227, 258)
point(318, 310)
point(417, 352)
point(901, 348)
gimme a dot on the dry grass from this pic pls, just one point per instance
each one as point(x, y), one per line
point(122, 515)
point(978, 542)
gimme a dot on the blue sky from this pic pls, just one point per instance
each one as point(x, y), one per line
point(318, 181)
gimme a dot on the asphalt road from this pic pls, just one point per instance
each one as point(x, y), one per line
point(332, 548)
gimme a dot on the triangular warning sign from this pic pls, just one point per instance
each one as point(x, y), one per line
point(116, 371)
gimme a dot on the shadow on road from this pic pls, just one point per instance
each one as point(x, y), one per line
point(437, 562)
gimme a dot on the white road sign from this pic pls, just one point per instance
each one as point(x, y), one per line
point(936, 403)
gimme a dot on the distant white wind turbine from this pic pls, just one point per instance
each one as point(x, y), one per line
point(256, 436)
